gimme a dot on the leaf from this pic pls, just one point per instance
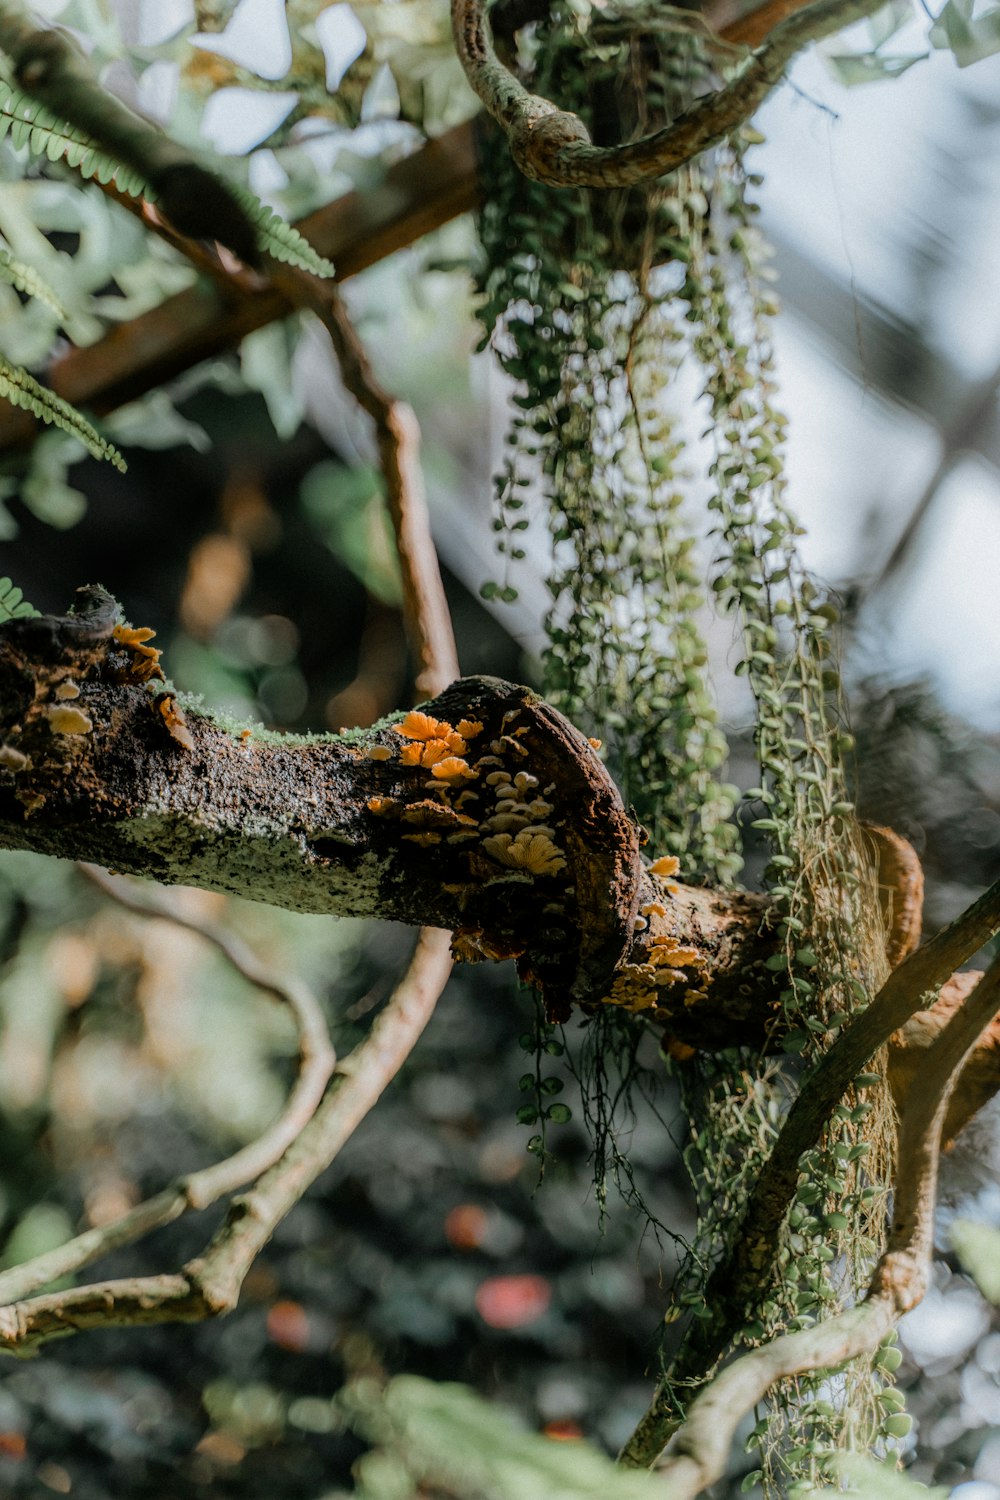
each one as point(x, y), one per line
point(888, 20)
point(266, 366)
point(22, 389)
point(27, 280)
point(877, 1481)
point(279, 238)
point(451, 1437)
point(851, 69)
point(978, 1248)
point(969, 38)
point(13, 605)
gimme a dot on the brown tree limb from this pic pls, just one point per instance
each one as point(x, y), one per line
point(738, 1278)
point(701, 1447)
point(397, 433)
point(210, 1285)
point(554, 146)
point(980, 1077)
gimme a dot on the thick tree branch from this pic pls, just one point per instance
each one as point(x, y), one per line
point(554, 146)
point(700, 1450)
point(511, 832)
point(346, 825)
point(210, 1285)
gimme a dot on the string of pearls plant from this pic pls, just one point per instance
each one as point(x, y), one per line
point(597, 305)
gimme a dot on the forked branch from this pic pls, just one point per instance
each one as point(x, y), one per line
point(210, 1285)
point(741, 1275)
point(701, 1447)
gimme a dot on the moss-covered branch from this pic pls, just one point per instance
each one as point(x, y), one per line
point(512, 835)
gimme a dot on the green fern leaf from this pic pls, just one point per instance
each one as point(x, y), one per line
point(22, 389)
point(279, 239)
point(27, 280)
point(42, 132)
point(30, 124)
point(13, 605)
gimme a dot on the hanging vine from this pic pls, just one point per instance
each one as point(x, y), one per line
point(599, 305)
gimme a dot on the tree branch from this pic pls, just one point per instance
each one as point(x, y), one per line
point(345, 825)
point(210, 1285)
point(553, 146)
point(198, 1189)
point(398, 436)
point(511, 833)
point(701, 1447)
point(738, 1278)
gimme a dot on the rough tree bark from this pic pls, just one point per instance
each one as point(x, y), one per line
point(486, 813)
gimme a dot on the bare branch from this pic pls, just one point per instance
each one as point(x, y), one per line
point(979, 1080)
point(398, 435)
point(316, 1055)
point(198, 1189)
point(553, 146)
point(210, 1285)
point(701, 1447)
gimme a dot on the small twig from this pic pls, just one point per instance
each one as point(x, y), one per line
point(198, 1189)
point(317, 1058)
point(554, 146)
point(210, 1285)
point(425, 607)
point(738, 1277)
point(702, 1444)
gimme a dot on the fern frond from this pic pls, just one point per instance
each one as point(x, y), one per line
point(280, 239)
point(27, 280)
point(22, 389)
point(31, 124)
point(13, 605)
